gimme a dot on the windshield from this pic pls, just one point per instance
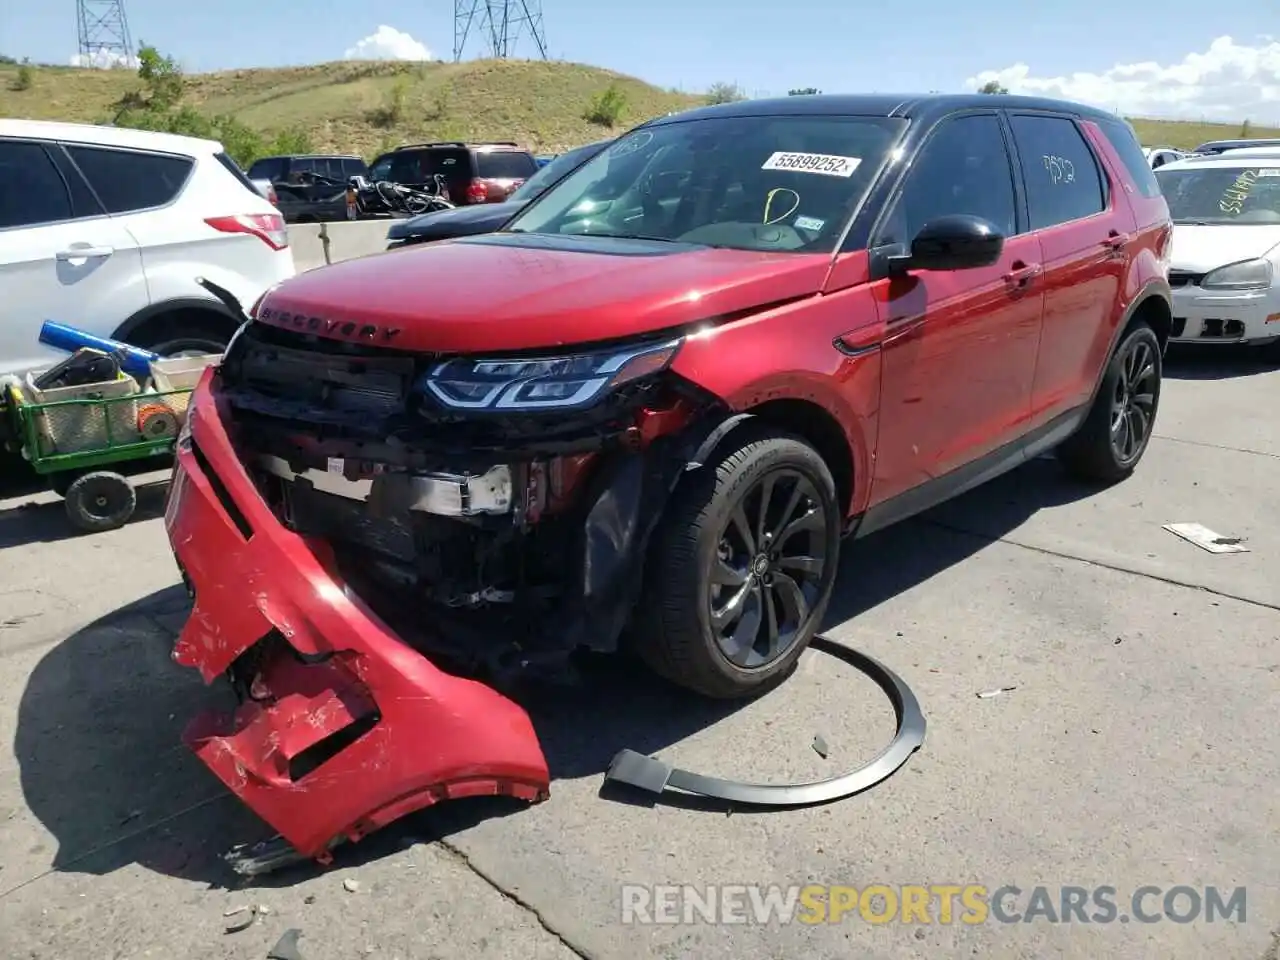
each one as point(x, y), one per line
point(745, 183)
point(537, 184)
point(1215, 194)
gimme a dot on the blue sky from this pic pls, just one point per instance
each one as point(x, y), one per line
point(836, 45)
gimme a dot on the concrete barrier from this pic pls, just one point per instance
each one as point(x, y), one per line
point(318, 244)
point(307, 243)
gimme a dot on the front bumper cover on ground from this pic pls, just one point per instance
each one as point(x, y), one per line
point(343, 728)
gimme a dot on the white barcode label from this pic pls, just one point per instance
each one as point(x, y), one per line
point(1270, 172)
point(826, 164)
point(337, 465)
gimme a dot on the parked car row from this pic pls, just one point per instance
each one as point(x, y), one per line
point(311, 188)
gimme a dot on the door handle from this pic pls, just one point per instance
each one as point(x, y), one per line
point(1116, 241)
point(84, 253)
point(1022, 274)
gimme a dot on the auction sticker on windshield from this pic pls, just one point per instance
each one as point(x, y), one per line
point(829, 165)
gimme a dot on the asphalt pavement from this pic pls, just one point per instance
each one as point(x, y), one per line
point(1132, 745)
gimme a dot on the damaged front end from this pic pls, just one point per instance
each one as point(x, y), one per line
point(369, 533)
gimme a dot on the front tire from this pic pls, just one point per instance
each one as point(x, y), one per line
point(1118, 428)
point(742, 569)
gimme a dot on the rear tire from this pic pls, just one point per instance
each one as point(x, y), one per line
point(102, 500)
point(1115, 434)
point(728, 611)
point(182, 337)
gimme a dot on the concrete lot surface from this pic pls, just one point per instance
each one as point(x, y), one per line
point(1136, 747)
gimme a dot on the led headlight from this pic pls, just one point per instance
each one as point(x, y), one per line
point(1245, 275)
point(544, 383)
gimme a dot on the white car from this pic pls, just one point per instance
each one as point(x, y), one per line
point(1226, 247)
point(1158, 156)
point(108, 229)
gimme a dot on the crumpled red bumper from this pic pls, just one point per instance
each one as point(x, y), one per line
point(331, 672)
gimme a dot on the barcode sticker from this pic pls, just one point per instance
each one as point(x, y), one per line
point(1270, 172)
point(337, 465)
point(826, 164)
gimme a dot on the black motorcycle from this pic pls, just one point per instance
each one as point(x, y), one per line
point(366, 197)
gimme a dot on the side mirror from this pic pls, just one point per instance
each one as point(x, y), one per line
point(954, 242)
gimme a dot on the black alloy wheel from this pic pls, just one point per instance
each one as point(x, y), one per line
point(1120, 422)
point(767, 572)
point(1133, 404)
point(740, 571)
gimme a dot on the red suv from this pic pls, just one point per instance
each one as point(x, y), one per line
point(645, 416)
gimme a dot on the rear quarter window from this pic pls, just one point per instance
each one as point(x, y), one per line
point(126, 180)
point(1126, 145)
point(1059, 169)
point(505, 166)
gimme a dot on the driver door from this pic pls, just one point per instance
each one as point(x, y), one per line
point(959, 346)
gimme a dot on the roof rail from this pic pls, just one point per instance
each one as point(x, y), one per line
point(459, 143)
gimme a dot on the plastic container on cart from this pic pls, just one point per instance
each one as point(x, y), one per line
point(180, 373)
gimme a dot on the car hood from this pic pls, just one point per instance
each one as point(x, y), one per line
point(1199, 249)
point(444, 221)
point(527, 291)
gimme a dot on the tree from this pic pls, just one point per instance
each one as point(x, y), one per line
point(803, 92)
point(992, 86)
point(725, 93)
point(158, 106)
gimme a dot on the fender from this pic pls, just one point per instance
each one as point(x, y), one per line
point(178, 305)
point(1153, 288)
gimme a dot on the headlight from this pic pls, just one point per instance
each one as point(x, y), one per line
point(1246, 275)
point(544, 383)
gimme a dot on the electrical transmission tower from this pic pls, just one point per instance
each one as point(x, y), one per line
point(104, 33)
point(501, 22)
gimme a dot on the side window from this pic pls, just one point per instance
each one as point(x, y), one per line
point(381, 169)
point(32, 191)
point(353, 168)
point(963, 168)
point(1125, 144)
point(128, 181)
point(270, 169)
point(1062, 177)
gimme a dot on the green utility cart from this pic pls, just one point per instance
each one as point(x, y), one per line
point(79, 437)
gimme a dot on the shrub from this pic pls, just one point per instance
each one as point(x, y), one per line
point(605, 109)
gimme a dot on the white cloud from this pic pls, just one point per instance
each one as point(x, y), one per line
point(102, 60)
point(388, 43)
point(1229, 81)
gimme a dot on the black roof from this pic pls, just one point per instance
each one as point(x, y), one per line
point(911, 106)
point(310, 156)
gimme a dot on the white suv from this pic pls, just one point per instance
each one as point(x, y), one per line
point(107, 229)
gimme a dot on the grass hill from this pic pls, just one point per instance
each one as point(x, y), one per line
point(366, 107)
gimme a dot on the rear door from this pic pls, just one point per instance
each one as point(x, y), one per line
point(959, 346)
point(1084, 225)
point(61, 258)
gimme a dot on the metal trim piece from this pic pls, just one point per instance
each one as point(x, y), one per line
point(442, 494)
point(654, 776)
